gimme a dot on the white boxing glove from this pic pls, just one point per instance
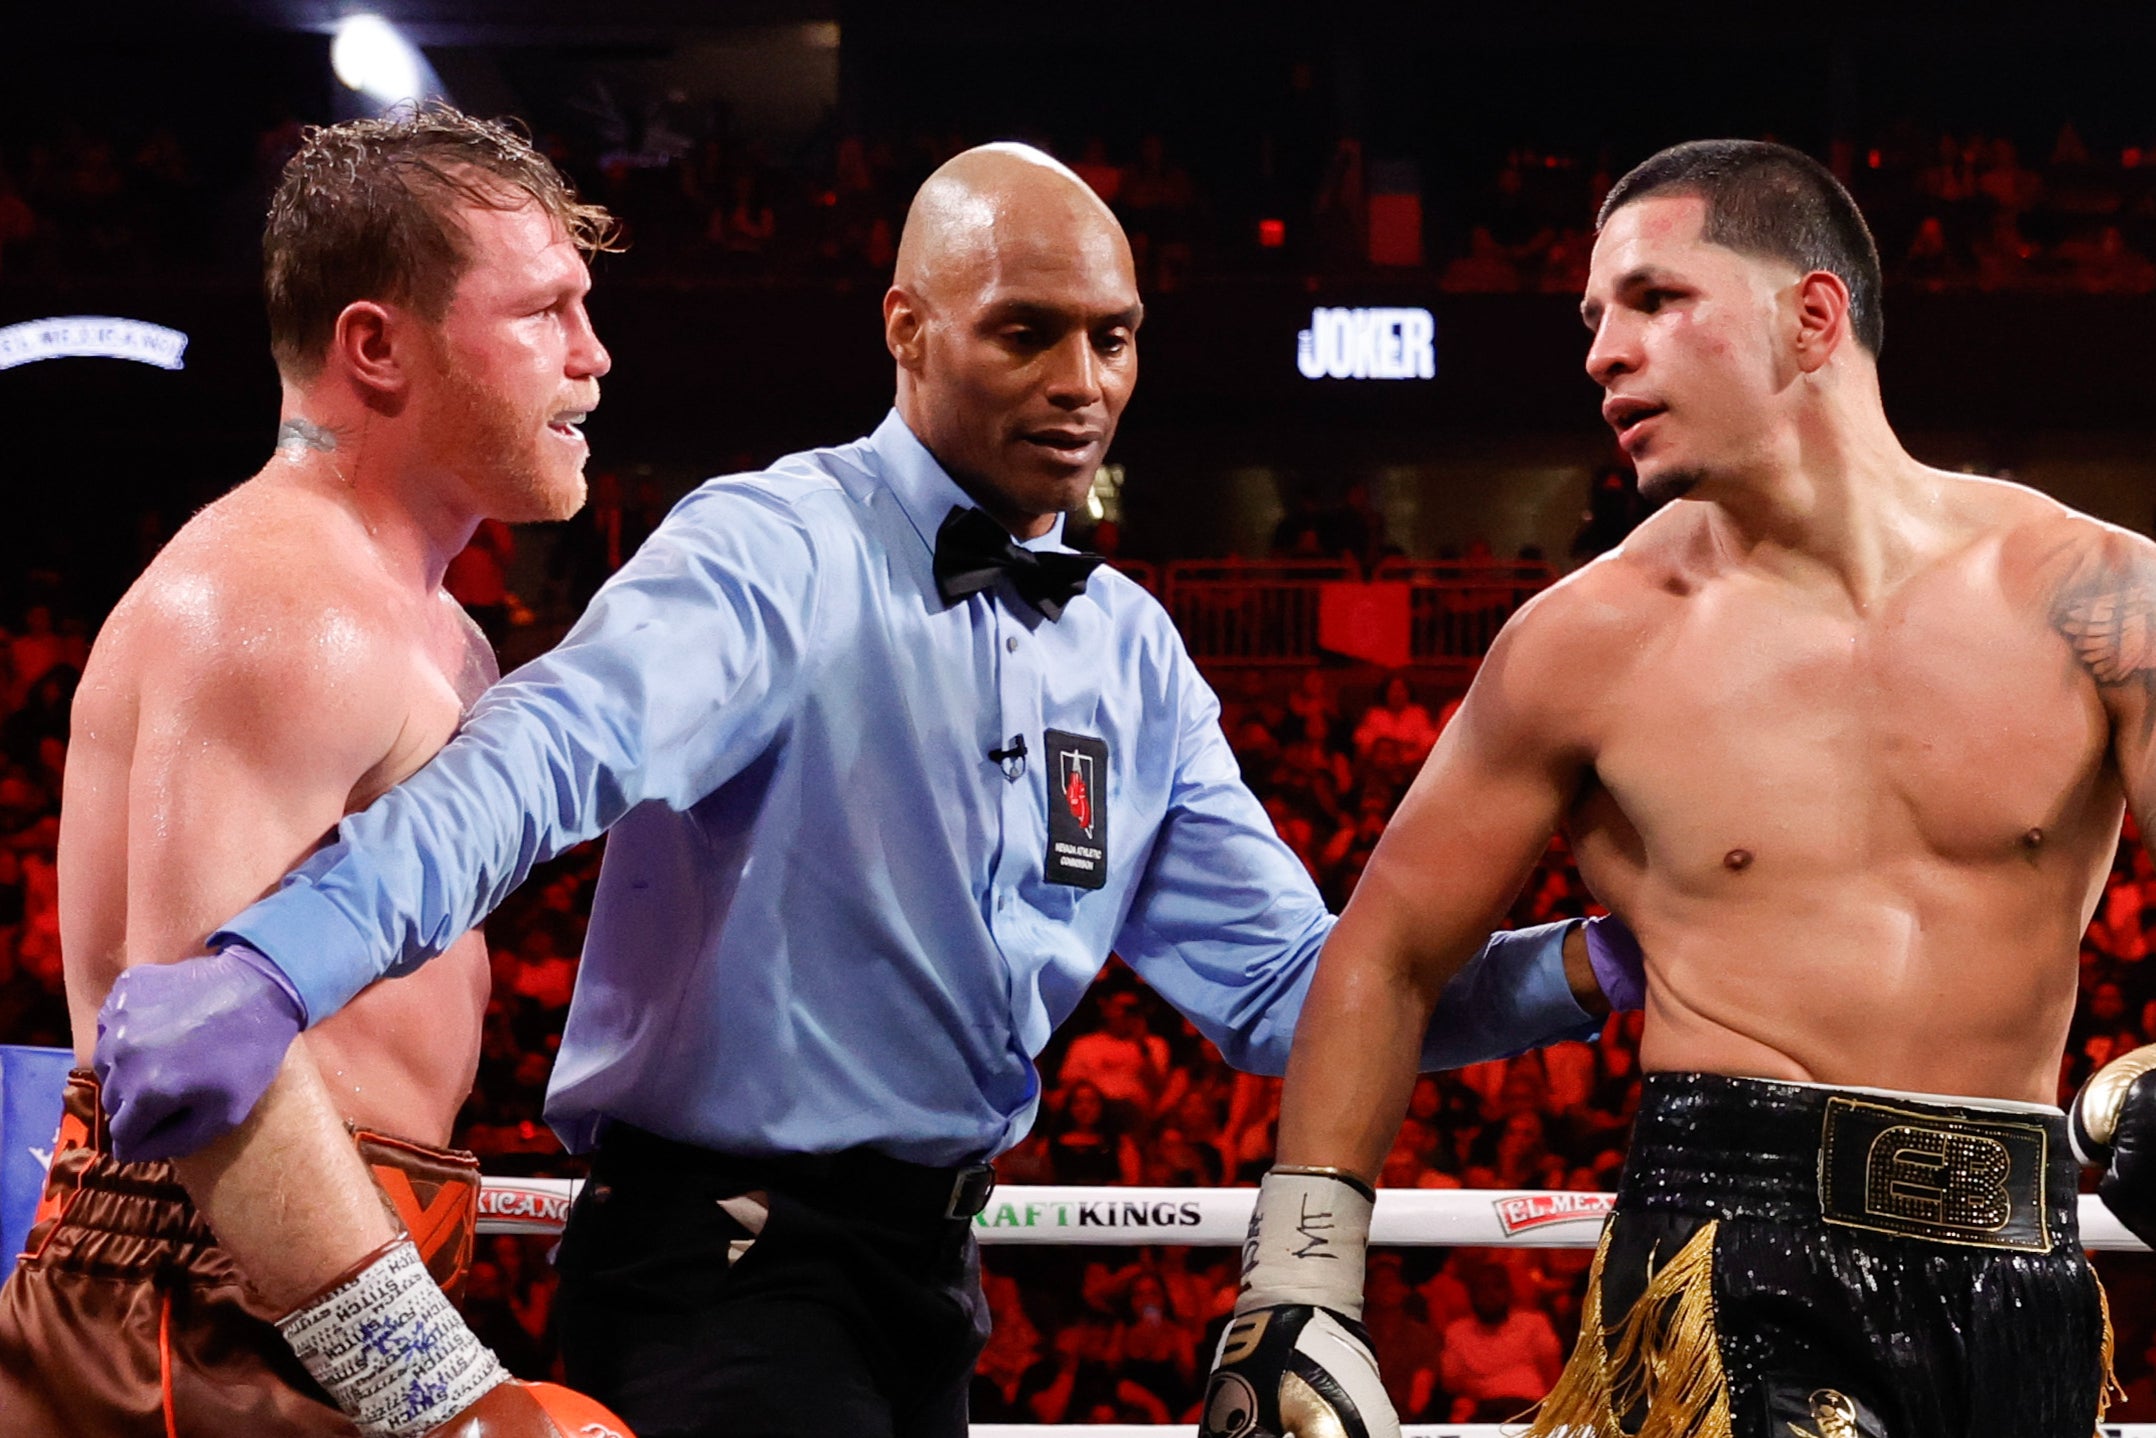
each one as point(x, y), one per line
point(1295, 1361)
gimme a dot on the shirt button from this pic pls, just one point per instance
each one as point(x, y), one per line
point(1010, 645)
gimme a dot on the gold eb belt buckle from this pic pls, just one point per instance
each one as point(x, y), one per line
point(1915, 1174)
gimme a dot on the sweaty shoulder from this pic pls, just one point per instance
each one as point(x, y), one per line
point(1595, 618)
point(262, 593)
point(2093, 583)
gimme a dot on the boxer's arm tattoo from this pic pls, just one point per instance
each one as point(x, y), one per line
point(296, 434)
point(2107, 614)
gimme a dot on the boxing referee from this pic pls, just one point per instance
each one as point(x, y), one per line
point(890, 771)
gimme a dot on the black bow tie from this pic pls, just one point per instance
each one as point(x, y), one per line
point(972, 549)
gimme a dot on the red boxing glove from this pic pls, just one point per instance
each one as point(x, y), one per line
point(533, 1410)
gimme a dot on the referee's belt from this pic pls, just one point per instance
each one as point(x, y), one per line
point(855, 1181)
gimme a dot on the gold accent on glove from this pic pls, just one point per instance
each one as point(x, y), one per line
point(1305, 1415)
point(2104, 1095)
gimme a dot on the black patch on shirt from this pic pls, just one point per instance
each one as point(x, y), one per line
point(1077, 774)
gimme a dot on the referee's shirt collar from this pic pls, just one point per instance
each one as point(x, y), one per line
point(925, 491)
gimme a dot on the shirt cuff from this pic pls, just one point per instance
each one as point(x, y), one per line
point(1513, 995)
point(310, 939)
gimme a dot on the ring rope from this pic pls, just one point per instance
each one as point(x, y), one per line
point(1219, 1217)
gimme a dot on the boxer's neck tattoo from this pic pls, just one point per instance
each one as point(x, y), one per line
point(297, 435)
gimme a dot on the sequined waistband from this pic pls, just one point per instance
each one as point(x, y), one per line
point(1723, 1147)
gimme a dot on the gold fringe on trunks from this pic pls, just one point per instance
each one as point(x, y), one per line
point(1662, 1358)
point(2111, 1390)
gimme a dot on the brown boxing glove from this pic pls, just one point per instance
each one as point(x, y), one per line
point(517, 1409)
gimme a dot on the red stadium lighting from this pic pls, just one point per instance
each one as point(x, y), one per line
point(1272, 234)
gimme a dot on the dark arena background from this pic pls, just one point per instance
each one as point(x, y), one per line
point(1363, 438)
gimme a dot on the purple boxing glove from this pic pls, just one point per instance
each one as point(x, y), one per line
point(1620, 968)
point(184, 1050)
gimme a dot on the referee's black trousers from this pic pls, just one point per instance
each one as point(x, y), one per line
point(850, 1313)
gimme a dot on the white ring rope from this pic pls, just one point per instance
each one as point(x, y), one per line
point(1218, 1217)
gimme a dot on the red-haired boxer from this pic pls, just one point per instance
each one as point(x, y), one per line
point(290, 655)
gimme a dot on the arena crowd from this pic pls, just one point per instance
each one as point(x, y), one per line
point(1968, 211)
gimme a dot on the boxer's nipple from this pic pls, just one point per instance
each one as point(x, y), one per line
point(1737, 860)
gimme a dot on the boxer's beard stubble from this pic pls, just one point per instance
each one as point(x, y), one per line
point(495, 448)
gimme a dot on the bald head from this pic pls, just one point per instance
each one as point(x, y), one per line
point(997, 202)
point(1013, 317)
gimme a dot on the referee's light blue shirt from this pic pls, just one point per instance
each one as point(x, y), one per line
point(824, 919)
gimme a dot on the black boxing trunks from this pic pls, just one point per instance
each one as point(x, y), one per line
point(1807, 1262)
point(124, 1319)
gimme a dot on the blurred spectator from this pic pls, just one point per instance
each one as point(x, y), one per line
point(1315, 704)
point(1409, 1353)
point(1123, 1061)
point(745, 224)
point(1095, 168)
point(1088, 1145)
point(1484, 269)
point(42, 717)
point(543, 974)
point(487, 1308)
point(33, 651)
point(1398, 718)
point(1499, 1359)
point(1159, 1350)
point(1614, 510)
point(477, 579)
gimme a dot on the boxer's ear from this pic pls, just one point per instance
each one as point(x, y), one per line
point(1822, 318)
point(363, 344)
point(903, 326)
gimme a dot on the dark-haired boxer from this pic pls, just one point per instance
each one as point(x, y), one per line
point(290, 655)
point(890, 772)
point(1846, 740)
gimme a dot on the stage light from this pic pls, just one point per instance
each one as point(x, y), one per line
point(371, 57)
point(1272, 234)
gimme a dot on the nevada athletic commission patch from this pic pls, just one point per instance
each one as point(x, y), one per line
point(1077, 774)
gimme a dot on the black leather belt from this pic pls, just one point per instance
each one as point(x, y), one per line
point(858, 1180)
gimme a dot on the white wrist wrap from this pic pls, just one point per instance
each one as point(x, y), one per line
point(1306, 1245)
point(390, 1350)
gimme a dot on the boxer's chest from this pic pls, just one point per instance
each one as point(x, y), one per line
point(448, 665)
point(1945, 723)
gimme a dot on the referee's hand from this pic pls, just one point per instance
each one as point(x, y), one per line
point(185, 1050)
